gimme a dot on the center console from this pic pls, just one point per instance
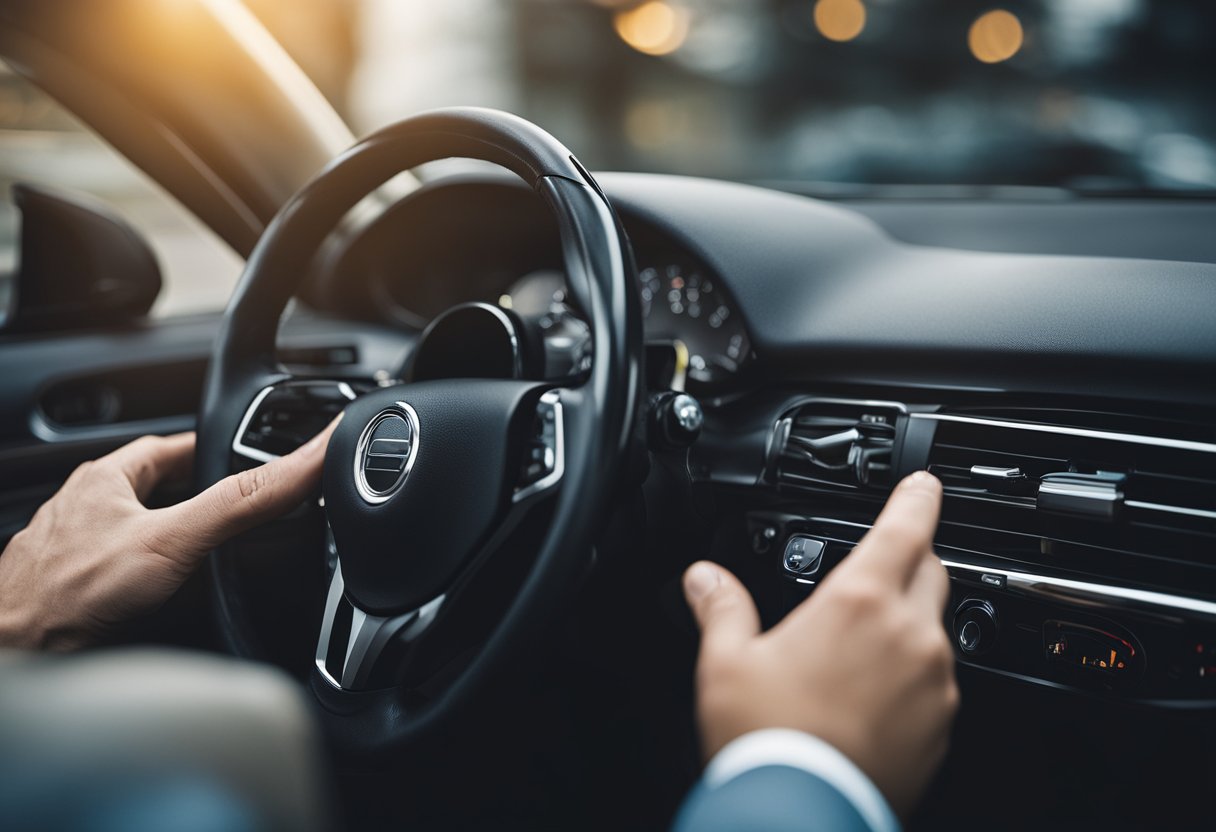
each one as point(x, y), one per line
point(1080, 541)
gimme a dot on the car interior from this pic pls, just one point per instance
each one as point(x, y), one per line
point(622, 372)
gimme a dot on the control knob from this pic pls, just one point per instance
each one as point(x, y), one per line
point(675, 421)
point(975, 627)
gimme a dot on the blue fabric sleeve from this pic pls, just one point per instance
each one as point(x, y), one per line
point(772, 798)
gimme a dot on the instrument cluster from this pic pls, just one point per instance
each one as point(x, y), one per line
point(683, 305)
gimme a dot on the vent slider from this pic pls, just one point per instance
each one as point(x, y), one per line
point(1094, 496)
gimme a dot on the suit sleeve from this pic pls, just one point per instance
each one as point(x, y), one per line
point(780, 779)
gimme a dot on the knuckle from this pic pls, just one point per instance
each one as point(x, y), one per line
point(718, 668)
point(85, 468)
point(243, 492)
point(714, 664)
point(924, 650)
point(21, 538)
point(931, 647)
point(943, 654)
point(157, 540)
point(251, 484)
point(145, 444)
point(862, 596)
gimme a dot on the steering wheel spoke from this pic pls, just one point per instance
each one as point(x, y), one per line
point(351, 641)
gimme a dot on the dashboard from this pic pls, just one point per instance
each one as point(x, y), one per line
point(1067, 400)
point(683, 306)
point(1068, 403)
point(439, 255)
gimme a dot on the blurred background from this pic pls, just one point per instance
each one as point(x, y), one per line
point(837, 98)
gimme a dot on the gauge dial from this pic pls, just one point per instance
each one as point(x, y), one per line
point(540, 298)
point(681, 303)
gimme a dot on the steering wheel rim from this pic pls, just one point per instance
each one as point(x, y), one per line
point(600, 415)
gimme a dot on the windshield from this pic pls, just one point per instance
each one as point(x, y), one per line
point(1097, 95)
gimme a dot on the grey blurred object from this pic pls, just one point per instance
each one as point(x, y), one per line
point(155, 739)
point(227, 123)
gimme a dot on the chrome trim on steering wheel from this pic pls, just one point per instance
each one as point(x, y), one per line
point(553, 400)
point(400, 410)
point(256, 454)
point(369, 635)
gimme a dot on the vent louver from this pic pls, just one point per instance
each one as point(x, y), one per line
point(835, 444)
point(1064, 492)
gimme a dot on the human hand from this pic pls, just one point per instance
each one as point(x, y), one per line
point(94, 556)
point(864, 664)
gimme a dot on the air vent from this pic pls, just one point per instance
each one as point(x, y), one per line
point(1066, 493)
point(835, 444)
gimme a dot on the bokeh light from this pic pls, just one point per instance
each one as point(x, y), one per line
point(840, 20)
point(995, 36)
point(653, 28)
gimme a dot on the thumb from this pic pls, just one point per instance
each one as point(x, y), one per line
point(725, 612)
point(245, 499)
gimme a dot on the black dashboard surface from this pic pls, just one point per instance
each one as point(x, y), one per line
point(1153, 228)
point(821, 293)
point(827, 294)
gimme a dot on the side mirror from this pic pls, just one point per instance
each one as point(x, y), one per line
point(80, 265)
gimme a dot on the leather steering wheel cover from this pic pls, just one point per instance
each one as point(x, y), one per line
point(600, 428)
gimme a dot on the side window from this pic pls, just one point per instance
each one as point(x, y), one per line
point(41, 143)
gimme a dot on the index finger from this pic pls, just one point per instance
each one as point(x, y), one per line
point(151, 460)
point(903, 532)
point(245, 499)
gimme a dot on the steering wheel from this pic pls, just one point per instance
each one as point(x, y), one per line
point(424, 482)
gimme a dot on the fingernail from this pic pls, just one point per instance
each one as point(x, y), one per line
point(700, 580)
point(921, 480)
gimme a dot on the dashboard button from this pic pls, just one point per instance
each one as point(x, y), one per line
point(969, 636)
point(803, 555)
point(975, 627)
